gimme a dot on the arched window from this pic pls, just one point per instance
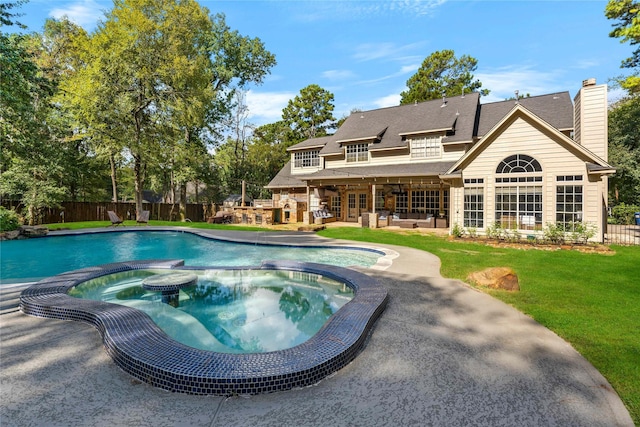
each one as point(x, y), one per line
point(518, 193)
point(519, 163)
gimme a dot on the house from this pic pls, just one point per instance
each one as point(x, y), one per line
point(521, 163)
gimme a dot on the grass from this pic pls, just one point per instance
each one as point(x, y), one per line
point(592, 300)
point(101, 224)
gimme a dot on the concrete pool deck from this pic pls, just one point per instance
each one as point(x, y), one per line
point(441, 354)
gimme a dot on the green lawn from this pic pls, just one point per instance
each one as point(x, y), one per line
point(100, 224)
point(592, 300)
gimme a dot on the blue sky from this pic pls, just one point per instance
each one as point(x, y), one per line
point(364, 51)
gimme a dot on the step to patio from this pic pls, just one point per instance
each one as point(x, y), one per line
point(10, 298)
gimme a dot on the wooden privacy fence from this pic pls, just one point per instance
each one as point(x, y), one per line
point(92, 211)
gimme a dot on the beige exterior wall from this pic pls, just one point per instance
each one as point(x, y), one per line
point(522, 137)
point(590, 116)
point(450, 153)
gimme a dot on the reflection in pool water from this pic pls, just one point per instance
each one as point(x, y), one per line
point(230, 311)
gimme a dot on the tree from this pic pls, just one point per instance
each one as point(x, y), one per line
point(442, 74)
point(30, 165)
point(156, 74)
point(310, 114)
point(624, 151)
point(627, 28)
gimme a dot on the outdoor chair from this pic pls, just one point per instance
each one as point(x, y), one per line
point(143, 218)
point(114, 218)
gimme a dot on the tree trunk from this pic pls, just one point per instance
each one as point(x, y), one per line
point(114, 179)
point(139, 182)
point(183, 202)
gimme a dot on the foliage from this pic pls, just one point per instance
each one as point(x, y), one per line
point(442, 74)
point(624, 214)
point(494, 231)
point(8, 219)
point(457, 230)
point(581, 232)
point(310, 114)
point(627, 28)
point(624, 150)
point(554, 233)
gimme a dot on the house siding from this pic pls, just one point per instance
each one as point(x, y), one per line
point(522, 137)
point(590, 112)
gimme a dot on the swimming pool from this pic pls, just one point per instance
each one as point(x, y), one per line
point(227, 311)
point(33, 259)
point(139, 347)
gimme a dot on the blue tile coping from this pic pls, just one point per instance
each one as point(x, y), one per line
point(141, 348)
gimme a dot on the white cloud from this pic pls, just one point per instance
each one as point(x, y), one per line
point(266, 107)
point(338, 74)
point(356, 9)
point(503, 82)
point(85, 13)
point(391, 51)
point(387, 101)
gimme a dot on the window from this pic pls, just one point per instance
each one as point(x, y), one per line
point(305, 159)
point(425, 148)
point(336, 207)
point(357, 153)
point(519, 207)
point(428, 201)
point(362, 199)
point(473, 203)
point(402, 202)
point(569, 201)
point(518, 201)
point(519, 163)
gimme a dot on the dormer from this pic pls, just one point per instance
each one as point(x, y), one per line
point(305, 156)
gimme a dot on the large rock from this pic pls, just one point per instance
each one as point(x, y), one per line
point(33, 231)
point(496, 278)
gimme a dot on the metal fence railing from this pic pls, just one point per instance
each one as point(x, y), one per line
point(618, 234)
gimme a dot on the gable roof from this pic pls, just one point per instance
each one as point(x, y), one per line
point(521, 110)
point(284, 179)
point(555, 109)
point(310, 143)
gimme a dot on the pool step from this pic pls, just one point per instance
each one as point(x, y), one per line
point(10, 298)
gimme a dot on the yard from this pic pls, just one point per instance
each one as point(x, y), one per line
point(591, 299)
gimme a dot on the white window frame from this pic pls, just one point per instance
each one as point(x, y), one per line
point(473, 213)
point(426, 147)
point(357, 153)
point(306, 159)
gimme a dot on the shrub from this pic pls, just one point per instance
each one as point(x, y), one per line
point(582, 232)
point(554, 233)
point(494, 231)
point(8, 219)
point(473, 232)
point(623, 214)
point(457, 230)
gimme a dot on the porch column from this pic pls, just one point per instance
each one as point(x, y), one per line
point(441, 210)
point(373, 198)
point(309, 216)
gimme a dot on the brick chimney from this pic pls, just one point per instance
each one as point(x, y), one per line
point(590, 118)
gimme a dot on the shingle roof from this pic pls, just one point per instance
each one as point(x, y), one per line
point(555, 109)
point(387, 125)
point(310, 143)
point(383, 171)
point(284, 179)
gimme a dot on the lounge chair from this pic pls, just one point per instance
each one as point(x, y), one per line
point(115, 219)
point(143, 218)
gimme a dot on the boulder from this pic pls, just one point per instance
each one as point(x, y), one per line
point(496, 278)
point(33, 231)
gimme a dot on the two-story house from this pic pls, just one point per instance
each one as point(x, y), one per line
point(520, 163)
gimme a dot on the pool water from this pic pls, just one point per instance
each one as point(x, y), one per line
point(230, 311)
point(34, 259)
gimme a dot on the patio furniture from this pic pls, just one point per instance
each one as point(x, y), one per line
point(221, 217)
point(114, 218)
point(143, 218)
